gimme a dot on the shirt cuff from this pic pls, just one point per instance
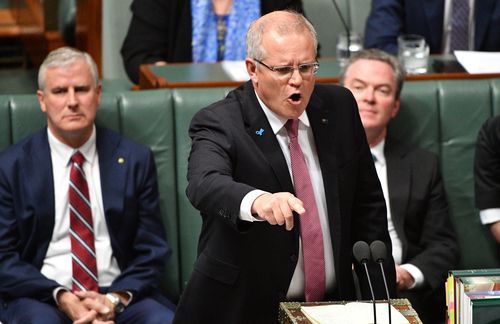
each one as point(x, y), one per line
point(417, 275)
point(246, 206)
point(489, 216)
point(56, 291)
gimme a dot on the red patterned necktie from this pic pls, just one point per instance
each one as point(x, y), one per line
point(310, 227)
point(81, 229)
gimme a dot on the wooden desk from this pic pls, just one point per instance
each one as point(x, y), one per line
point(290, 311)
point(183, 75)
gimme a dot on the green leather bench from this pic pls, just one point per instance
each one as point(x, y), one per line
point(443, 116)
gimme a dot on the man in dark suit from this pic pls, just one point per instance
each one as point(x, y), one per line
point(80, 241)
point(241, 173)
point(487, 176)
point(390, 18)
point(423, 239)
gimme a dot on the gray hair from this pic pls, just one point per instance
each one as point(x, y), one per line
point(295, 23)
point(378, 55)
point(65, 56)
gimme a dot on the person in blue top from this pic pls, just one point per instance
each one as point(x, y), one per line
point(164, 31)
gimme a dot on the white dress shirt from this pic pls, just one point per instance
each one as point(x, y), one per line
point(306, 142)
point(57, 262)
point(397, 246)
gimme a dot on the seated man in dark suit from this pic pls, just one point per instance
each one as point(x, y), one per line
point(284, 180)
point(487, 176)
point(81, 238)
point(423, 239)
point(435, 21)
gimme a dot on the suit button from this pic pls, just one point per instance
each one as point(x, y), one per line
point(293, 258)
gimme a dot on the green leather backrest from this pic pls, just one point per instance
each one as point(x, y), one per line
point(464, 106)
point(187, 102)
point(418, 119)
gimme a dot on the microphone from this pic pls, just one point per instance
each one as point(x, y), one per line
point(361, 252)
point(379, 253)
point(346, 27)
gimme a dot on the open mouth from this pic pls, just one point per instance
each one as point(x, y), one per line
point(295, 97)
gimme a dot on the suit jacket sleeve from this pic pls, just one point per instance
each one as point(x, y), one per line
point(383, 25)
point(212, 188)
point(434, 249)
point(20, 266)
point(487, 165)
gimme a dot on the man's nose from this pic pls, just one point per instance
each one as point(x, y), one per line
point(296, 77)
point(72, 101)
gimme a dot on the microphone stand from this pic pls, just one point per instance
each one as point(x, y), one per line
point(386, 291)
point(373, 295)
point(379, 253)
point(346, 27)
point(361, 252)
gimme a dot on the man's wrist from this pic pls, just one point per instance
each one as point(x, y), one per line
point(119, 302)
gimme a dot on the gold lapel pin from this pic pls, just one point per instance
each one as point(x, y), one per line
point(121, 160)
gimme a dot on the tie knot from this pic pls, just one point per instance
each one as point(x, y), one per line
point(292, 127)
point(77, 158)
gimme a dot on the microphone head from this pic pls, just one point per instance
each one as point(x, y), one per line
point(361, 251)
point(379, 251)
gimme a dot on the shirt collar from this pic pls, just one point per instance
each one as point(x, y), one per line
point(378, 152)
point(277, 122)
point(64, 152)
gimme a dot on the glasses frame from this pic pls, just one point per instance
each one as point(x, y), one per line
point(290, 68)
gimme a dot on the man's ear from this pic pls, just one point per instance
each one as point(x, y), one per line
point(395, 109)
point(252, 70)
point(41, 100)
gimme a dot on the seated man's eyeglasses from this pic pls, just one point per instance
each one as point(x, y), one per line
point(305, 69)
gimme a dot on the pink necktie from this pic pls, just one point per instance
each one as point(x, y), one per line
point(81, 229)
point(310, 227)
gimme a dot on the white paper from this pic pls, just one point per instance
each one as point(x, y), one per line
point(236, 70)
point(479, 62)
point(352, 313)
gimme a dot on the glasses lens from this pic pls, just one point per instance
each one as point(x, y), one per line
point(284, 70)
point(308, 68)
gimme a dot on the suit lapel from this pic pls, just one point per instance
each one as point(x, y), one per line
point(39, 183)
point(398, 181)
point(259, 129)
point(113, 167)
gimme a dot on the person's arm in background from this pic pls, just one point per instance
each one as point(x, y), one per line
point(384, 24)
point(148, 37)
point(437, 238)
point(487, 175)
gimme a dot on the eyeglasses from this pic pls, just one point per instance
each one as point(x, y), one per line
point(305, 69)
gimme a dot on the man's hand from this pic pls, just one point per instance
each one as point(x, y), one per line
point(278, 208)
point(495, 231)
point(404, 279)
point(86, 307)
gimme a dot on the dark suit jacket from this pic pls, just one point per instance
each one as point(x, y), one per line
point(244, 269)
point(131, 207)
point(160, 30)
point(420, 213)
point(390, 18)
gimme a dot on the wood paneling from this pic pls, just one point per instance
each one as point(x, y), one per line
point(89, 29)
